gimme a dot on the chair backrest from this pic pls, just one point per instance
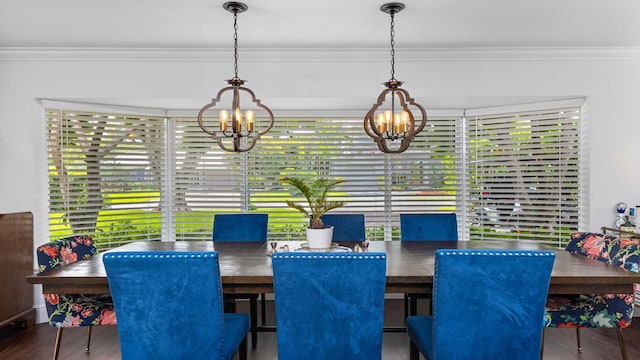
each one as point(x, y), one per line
point(330, 305)
point(169, 304)
point(65, 251)
point(346, 227)
point(613, 250)
point(72, 310)
point(490, 304)
point(428, 227)
point(240, 227)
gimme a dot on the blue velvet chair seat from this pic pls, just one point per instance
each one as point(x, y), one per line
point(420, 329)
point(235, 330)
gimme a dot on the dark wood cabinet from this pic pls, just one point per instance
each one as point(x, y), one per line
point(16, 263)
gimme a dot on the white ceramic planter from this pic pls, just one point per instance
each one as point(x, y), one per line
point(319, 238)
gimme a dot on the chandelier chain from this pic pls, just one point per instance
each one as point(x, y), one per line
point(235, 43)
point(393, 52)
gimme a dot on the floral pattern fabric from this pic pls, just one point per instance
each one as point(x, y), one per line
point(73, 310)
point(599, 310)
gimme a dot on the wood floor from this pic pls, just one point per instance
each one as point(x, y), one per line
point(37, 342)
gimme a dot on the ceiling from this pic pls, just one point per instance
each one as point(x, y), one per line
point(328, 24)
point(319, 24)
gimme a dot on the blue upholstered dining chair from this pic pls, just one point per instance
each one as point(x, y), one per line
point(426, 227)
point(170, 306)
point(73, 310)
point(329, 305)
point(346, 227)
point(240, 227)
point(487, 304)
point(597, 310)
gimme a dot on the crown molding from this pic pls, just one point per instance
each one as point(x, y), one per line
point(317, 54)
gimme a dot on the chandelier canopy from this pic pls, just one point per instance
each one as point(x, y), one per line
point(237, 130)
point(392, 122)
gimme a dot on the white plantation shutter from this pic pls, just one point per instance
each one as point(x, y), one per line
point(523, 174)
point(106, 175)
point(208, 180)
point(120, 176)
point(428, 176)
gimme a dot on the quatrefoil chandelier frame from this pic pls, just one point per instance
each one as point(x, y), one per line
point(233, 126)
point(397, 124)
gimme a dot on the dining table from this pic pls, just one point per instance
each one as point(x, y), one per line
point(245, 267)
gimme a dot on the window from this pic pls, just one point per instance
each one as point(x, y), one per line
point(523, 174)
point(106, 175)
point(124, 176)
point(209, 180)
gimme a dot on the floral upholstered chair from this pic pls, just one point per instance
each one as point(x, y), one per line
point(73, 310)
point(597, 310)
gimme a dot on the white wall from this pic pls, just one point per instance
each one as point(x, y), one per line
point(609, 79)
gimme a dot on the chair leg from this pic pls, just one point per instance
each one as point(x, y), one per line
point(578, 338)
point(407, 301)
point(414, 354)
point(242, 350)
point(86, 350)
point(253, 313)
point(542, 345)
point(622, 347)
point(263, 308)
point(413, 305)
point(56, 348)
point(229, 305)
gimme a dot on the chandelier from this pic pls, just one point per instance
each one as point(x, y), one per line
point(236, 131)
point(391, 122)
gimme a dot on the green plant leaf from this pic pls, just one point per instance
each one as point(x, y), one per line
point(315, 192)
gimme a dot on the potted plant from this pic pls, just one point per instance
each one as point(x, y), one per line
point(315, 191)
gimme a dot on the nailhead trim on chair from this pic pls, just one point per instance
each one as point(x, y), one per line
point(329, 256)
point(160, 255)
point(499, 253)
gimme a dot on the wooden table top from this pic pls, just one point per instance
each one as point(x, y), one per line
point(245, 267)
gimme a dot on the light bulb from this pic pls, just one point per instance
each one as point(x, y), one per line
point(405, 121)
point(249, 124)
point(238, 125)
point(224, 116)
